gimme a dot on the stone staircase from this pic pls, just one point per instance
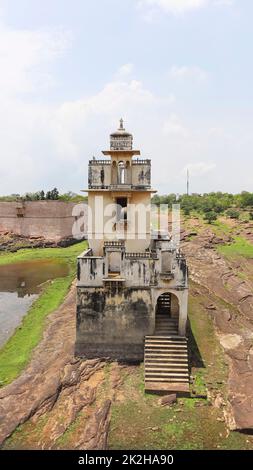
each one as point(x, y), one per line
point(166, 358)
point(166, 326)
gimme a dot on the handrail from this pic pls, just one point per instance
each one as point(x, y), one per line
point(148, 255)
point(100, 162)
point(140, 161)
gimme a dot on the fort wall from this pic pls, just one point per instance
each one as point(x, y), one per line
point(52, 220)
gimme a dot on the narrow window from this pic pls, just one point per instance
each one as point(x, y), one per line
point(121, 208)
point(122, 173)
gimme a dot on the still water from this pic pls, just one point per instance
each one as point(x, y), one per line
point(20, 285)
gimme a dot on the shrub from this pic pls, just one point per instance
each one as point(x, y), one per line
point(210, 216)
point(233, 213)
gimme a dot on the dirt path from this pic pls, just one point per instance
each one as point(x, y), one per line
point(58, 386)
point(232, 310)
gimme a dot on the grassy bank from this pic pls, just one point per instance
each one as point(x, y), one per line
point(17, 351)
point(240, 247)
point(68, 254)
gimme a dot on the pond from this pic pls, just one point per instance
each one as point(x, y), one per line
point(20, 285)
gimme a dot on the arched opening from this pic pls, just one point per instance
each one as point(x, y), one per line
point(167, 314)
point(122, 173)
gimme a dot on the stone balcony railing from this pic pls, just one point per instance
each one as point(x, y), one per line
point(119, 187)
point(144, 255)
point(114, 244)
point(100, 162)
point(140, 161)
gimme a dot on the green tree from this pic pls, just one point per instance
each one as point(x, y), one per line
point(233, 213)
point(210, 216)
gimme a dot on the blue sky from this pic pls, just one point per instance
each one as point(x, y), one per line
point(179, 72)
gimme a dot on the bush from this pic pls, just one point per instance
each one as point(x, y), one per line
point(210, 216)
point(233, 213)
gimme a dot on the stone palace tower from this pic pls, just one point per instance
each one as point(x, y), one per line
point(132, 283)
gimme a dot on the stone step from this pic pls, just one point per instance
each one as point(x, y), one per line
point(150, 369)
point(165, 332)
point(166, 328)
point(166, 325)
point(166, 361)
point(171, 356)
point(171, 365)
point(168, 338)
point(166, 373)
point(160, 345)
point(164, 340)
point(167, 387)
point(166, 365)
point(173, 337)
point(168, 379)
point(165, 347)
point(165, 317)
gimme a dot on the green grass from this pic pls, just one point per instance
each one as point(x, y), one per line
point(17, 351)
point(68, 254)
point(240, 247)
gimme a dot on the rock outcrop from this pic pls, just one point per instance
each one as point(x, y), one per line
point(232, 310)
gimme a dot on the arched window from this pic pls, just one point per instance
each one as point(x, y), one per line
point(122, 173)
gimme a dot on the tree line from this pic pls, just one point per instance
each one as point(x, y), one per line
point(210, 205)
point(52, 195)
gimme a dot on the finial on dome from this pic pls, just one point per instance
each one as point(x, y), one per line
point(121, 122)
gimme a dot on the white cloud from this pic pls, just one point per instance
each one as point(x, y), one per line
point(174, 6)
point(179, 6)
point(185, 72)
point(216, 132)
point(224, 2)
point(22, 55)
point(174, 127)
point(125, 69)
point(199, 168)
point(116, 99)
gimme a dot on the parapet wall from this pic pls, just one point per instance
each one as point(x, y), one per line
point(52, 220)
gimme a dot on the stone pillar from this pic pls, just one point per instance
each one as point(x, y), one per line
point(183, 310)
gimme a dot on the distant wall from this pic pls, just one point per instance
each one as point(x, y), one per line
point(52, 220)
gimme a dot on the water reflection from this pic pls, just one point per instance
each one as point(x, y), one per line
point(20, 285)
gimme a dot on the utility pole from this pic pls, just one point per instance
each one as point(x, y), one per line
point(188, 182)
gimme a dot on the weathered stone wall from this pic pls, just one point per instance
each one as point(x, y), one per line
point(141, 174)
point(90, 271)
point(52, 220)
point(112, 322)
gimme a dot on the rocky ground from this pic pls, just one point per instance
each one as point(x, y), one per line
point(11, 242)
point(61, 402)
point(228, 289)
